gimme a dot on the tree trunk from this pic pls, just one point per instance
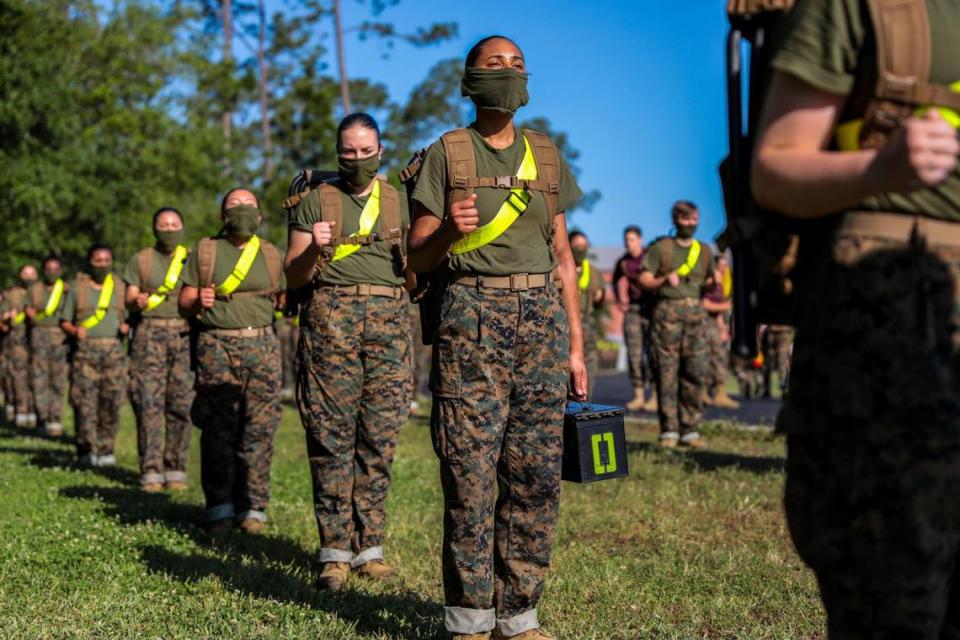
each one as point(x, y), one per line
point(341, 59)
point(226, 11)
point(264, 100)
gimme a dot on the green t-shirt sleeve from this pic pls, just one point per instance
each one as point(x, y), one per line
point(190, 275)
point(821, 43)
point(307, 213)
point(651, 259)
point(570, 191)
point(131, 273)
point(431, 189)
point(69, 307)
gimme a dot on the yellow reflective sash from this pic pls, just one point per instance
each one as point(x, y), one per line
point(848, 133)
point(693, 256)
point(103, 304)
point(727, 283)
point(53, 302)
point(170, 280)
point(368, 218)
point(242, 268)
point(19, 318)
point(512, 208)
point(584, 281)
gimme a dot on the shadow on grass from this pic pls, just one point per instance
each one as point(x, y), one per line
point(711, 460)
point(44, 458)
point(398, 615)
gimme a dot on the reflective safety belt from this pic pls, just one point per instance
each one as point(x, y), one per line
point(53, 302)
point(242, 268)
point(693, 256)
point(848, 133)
point(368, 218)
point(19, 318)
point(584, 281)
point(103, 304)
point(170, 280)
point(512, 208)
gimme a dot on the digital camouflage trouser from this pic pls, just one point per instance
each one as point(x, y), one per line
point(717, 367)
point(499, 381)
point(98, 379)
point(354, 395)
point(17, 350)
point(634, 330)
point(873, 417)
point(777, 342)
point(681, 365)
point(161, 391)
point(237, 409)
point(288, 335)
point(421, 355)
point(50, 368)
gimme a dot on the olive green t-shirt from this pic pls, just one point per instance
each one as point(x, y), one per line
point(160, 263)
point(525, 246)
point(665, 256)
point(830, 45)
point(236, 313)
point(40, 293)
point(371, 264)
point(109, 327)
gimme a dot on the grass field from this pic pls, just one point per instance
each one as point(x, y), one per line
point(692, 545)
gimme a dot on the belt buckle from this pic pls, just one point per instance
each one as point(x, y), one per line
point(363, 289)
point(519, 282)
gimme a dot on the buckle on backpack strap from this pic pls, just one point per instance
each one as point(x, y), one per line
point(519, 282)
point(505, 182)
point(553, 187)
point(460, 182)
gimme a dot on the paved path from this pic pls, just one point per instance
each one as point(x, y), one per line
point(615, 389)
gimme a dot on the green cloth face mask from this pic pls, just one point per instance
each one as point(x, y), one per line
point(241, 221)
point(686, 231)
point(167, 241)
point(503, 90)
point(579, 255)
point(358, 172)
point(50, 276)
point(27, 282)
point(99, 274)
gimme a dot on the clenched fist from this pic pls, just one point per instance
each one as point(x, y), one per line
point(464, 215)
point(323, 233)
point(920, 155)
point(207, 297)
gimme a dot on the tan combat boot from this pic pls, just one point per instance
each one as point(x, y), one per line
point(252, 526)
point(651, 405)
point(696, 443)
point(375, 570)
point(152, 487)
point(532, 634)
point(637, 403)
point(722, 401)
point(176, 485)
point(707, 399)
point(470, 636)
point(333, 576)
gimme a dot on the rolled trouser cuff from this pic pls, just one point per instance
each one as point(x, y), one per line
point(252, 514)
point(690, 436)
point(515, 625)
point(220, 512)
point(670, 435)
point(88, 459)
point(367, 555)
point(152, 478)
point(176, 476)
point(463, 620)
point(335, 555)
point(107, 460)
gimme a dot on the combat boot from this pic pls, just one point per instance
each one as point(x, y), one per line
point(9, 412)
point(532, 634)
point(152, 487)
point(669, 440)
point(722, 401)
point(21, 420)
point(333, 576)
point(375, 570)
point(470, 636)
point(707, 399)
point(176, 485)
point(219, 528)
point(694, 443)
point(53, 429)
point(252, 526)
point(651, 405)
point(32, 420)
point(637, 403)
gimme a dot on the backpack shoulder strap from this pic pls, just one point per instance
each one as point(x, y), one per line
point(665, 245)
point(144, 266)
point(82, 296)
point(274, 265)
point(119, 295)
point(36, 294)
point(331, 206)
point(206, 261)
point(461, 164)
point(391, 224)
point(548, 167)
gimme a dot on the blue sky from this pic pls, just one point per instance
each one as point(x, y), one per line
point(638, 85)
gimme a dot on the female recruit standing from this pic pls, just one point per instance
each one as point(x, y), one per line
point(492, 199)
point(232, 283)
point(354, 353)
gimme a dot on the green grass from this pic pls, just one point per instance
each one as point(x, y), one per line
point(692, 545)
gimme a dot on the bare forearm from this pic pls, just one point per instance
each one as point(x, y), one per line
point(427, 252)
point(188, 304)
point(300, 268)
point(68, 328)
point(812, 184)
point(571, 303)
point(651, 282)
